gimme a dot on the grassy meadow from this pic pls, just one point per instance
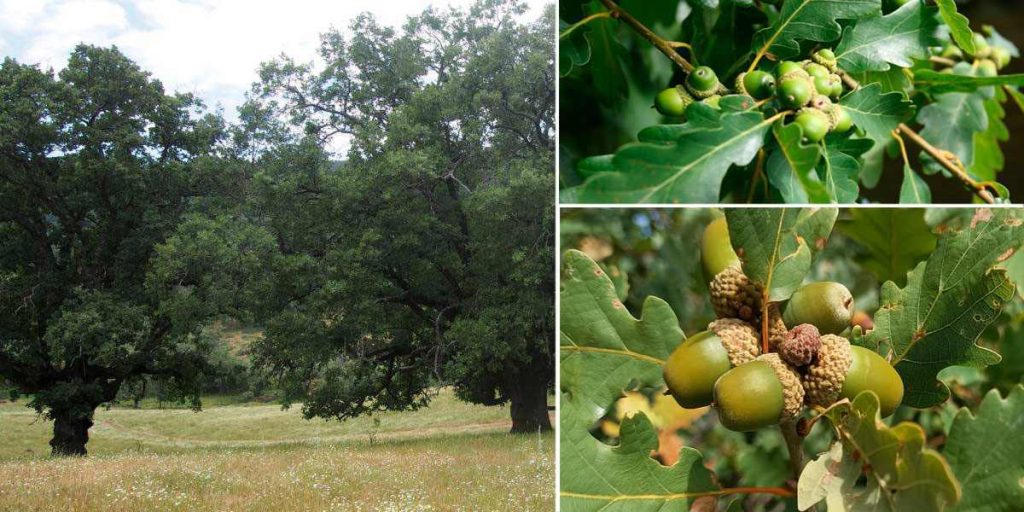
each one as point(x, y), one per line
point(231, 456)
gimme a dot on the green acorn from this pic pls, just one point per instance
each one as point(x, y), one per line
point(814, 122)
point(844, 371)
point(756, 84)
point(826, 305)
point(816, 70)
point(795, 91)
point(843, 121)
point(1001, 56)
point(695, 365)
point(758, 394)
point(837, 86)
point(732, 294)
point(987, 67)
point(826, 58)
point(672, 102)
point(703, 82)
point(981, 47)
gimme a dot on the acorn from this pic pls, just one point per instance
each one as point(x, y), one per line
point(758, 394)
point(1001, 56)
point(693, 367)
point(843, 121)
point(732, 294)
point(814, 122)
point(703, 82)
point(987, 67)
point(795, 87)
point(981, 47)
point(837, 86)
point(825, 304)
point(800, 346)
point(826, 58)
point(756, 84)
point(672, 102)
point(816, 70)
point(845, 371)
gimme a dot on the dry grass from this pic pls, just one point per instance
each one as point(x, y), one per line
point(178, 460)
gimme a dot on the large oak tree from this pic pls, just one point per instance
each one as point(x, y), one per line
point(104, 276)
point(425, 258)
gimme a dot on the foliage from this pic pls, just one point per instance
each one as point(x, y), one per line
point(858, 461)
point(426, 255)
point(910, 71)
point(96, 173)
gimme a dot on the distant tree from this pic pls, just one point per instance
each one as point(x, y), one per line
point(427, 256)
point(104, 276)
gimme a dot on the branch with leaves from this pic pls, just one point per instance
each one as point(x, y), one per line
point(844, 95)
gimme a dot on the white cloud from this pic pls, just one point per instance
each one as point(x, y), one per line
point(58, 29)
point(20, 14)
point(212, 48)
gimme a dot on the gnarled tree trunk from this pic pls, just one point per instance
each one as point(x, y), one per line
point(70, 434)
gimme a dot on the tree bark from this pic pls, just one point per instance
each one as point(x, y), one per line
point(70, 434)
point(530, 407)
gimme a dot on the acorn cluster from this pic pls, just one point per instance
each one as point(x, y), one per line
point(987, 59)
point(808, 362)
point(808, 90)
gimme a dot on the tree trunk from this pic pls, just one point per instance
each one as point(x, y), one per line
point(530, 407)
point(70, 434)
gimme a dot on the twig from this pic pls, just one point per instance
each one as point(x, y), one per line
point(658, 42)
point(942, 61)
point(584, 21)
point(940, 156)
point(794, 443)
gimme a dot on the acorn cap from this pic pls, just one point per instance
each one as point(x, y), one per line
point(776, 327)
point(739, 338)
point(792, 390)
point(824, 378)
point(735, 296)
point(800, 345)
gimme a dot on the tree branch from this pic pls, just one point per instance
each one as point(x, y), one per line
point(940, 156)
point(658, 42)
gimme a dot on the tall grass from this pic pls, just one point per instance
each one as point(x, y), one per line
point(450, 456)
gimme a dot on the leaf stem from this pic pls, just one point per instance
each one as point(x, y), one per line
point(940, 156)
point(660, 43)
point(584, 21)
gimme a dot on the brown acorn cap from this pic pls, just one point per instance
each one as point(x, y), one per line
point(792, 390)
point(739, 338)
point(734, 296)
point(776, 327)
point(824, 378)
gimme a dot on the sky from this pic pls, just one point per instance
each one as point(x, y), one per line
point(212, 48)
